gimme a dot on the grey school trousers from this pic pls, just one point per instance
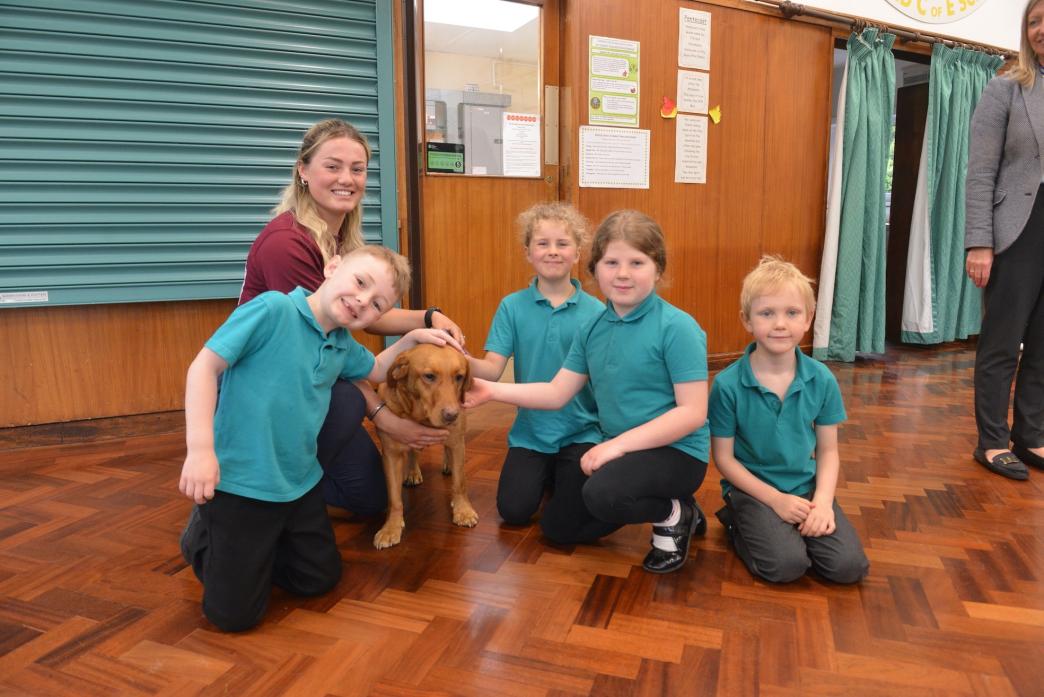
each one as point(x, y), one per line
point(774, 550)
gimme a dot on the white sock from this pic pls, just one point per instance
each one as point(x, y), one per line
point(674, 517)
point(664, 543)
point(660, 541)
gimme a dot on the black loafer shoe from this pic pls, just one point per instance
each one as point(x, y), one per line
point(692, 522)
point(1005, 464)
point(1028, 456)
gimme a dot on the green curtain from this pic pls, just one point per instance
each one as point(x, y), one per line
point(857, 322)
point(958, 77)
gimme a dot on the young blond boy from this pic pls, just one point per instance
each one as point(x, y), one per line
point(251, 464)
point(774, 416)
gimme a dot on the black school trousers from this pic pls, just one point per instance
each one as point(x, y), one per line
point(635, 488)
point(240, 547)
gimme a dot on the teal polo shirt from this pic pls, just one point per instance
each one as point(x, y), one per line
point(775, 439)
point(539, 336)
point(275, 394)
point(634, 362)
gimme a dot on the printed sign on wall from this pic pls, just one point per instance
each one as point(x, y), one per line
point(613, 93)
point(521, 147)
point(937, 11)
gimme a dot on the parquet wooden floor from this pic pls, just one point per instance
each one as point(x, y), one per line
point(95, 599)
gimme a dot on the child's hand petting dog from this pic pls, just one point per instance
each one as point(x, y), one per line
point(481, 392)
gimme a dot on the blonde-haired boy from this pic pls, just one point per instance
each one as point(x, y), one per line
point(251, 464)
point(774, 416)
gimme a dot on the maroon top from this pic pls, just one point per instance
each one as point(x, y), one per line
point(282, 257)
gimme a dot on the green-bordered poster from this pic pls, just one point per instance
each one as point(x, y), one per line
point(613, 89)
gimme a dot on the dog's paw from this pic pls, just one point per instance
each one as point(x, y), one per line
point(413, 478)
point(464, 515)
point(388, 536)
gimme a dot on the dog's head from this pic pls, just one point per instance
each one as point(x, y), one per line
point(429, 383)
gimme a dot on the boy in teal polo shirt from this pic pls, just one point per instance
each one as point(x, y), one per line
point(536, 326)
point(774, 416)
point(251, 462)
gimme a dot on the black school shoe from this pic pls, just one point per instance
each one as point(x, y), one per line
point(692, 522)
point(190, 536)
point(1006, 464)
point(1028, 456)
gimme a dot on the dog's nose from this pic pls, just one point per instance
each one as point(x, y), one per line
point(450, 415)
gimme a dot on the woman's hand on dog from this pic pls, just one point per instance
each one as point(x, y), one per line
point(441, 321)
point(409, 433)
point(438, 337)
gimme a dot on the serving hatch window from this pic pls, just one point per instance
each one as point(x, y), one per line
point(482, 88)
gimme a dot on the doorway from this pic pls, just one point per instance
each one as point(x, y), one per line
point(488, 148)
point(912, 72)
point(911, 112)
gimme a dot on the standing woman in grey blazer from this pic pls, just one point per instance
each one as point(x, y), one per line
point(1004, 238)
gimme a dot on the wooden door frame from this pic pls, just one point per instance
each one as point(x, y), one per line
point(409, 49)
point(409, 54)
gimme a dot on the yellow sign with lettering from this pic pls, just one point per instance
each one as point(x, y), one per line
point(937, 11)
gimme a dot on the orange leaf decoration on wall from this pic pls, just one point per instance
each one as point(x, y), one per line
point(669, 110)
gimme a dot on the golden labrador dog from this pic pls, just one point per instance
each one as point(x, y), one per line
point(425, 384)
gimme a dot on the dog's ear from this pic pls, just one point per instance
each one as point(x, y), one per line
point(400, 383)
point(399, 371)
point(465, 384)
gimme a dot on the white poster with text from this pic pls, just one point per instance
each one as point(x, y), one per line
point(690, 149)
point(521, 147)
point(614, 158)
point(693, 88)
point(694, 39)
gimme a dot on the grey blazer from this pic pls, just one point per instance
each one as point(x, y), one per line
point(1004, 166)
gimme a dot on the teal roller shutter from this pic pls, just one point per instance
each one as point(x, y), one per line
point(143, 144)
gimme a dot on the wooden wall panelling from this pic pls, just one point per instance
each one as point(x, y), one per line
point(69, 363)
point(686, 214)
point(766, 161)
point(471, 254)
point(93, 361)
point(799, 63)
point(736, 172)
